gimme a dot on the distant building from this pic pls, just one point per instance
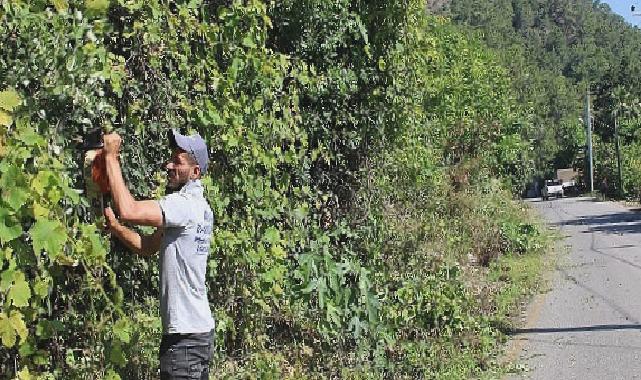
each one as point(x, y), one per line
point(568, 176)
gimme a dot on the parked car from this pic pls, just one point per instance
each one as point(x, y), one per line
point(570, 188)
point(552, 187)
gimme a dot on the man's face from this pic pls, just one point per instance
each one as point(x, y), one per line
point(180, 169)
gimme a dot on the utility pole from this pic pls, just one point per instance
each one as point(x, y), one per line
point(618, 148)
point(588, 126)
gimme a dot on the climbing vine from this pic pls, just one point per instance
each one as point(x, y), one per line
point(321, 118)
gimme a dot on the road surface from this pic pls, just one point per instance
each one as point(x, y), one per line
point(588, 326)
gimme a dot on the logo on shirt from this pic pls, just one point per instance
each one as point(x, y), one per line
point(203, 233)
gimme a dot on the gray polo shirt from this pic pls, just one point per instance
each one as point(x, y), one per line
point(188, 222)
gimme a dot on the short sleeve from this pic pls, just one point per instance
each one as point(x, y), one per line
point(177, 210)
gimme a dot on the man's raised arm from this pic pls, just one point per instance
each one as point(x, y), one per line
point(146, 213)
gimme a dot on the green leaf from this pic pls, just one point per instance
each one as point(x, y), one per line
point(6, 279)
point(116, 356)
point(7, 332)
point(26, 349)
point(41, 288)
point(30, 137)
point(214, 116)
point(9, 100)
point(48, 235)
point(92, 243)
point(15, 197)
point(5, 119)
point(24, 374)
point(122, 330)
point(278, 252)
point(12, 183)
point(41, 181)
point(12, 327)
point(10, 176)
point(112, 375)
point(96, 7)
point(248, 42)
point(19, 293)
point(60, 5)
point(9, 227)
point(39, 211)
point(272, 236)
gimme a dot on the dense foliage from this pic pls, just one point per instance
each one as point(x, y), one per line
point(362, 155)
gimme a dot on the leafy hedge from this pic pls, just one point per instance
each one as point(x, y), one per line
point(350, 140)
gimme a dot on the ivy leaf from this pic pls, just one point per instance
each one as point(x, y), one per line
point(116, 356)
point(41, 288)
point(49, 235)
point(9, 227)
point(112, 375)
point(7, 332)
point(26, 349)
point(30, 137)
point(19, 293)
point(10, 176)
point(12, 327)
point(97, 6)
point(96, 246)
point(248, 42)
point(24, 374)
point(6, 279)
point(5, 119)
point(272, 236)
point(122, 330)
point(214, 117)
point(15, 197)
point(12, 184)
point(9, 100)
point(278, 252)
point(39, 211)
point(61, 5)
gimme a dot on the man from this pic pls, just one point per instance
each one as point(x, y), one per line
point(184, 224)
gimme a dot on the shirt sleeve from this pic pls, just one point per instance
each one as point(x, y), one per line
point(176, 209)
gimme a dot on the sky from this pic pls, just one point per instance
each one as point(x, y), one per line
point(622, 7)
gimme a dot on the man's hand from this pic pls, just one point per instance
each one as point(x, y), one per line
point(110, 219)
point(112, 143)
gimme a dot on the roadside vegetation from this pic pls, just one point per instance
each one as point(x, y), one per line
point(366, 157)
point(556, 51)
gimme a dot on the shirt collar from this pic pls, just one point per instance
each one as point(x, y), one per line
point(194, 187)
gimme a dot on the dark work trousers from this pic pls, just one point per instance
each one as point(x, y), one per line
point(185, 356)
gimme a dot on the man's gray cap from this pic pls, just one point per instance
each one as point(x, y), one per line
point(194, 145)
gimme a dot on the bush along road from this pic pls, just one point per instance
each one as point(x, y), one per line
point(365, 157)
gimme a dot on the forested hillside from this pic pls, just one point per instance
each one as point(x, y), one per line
point(556, 51)
point(365, 160)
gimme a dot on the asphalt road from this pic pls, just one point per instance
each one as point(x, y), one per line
point(588, 325)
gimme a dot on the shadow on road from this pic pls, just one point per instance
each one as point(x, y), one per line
point(547, 330)
point(616, 223)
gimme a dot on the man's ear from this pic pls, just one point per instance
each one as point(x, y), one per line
point(196, 172)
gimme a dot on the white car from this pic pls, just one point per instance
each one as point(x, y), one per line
point(552, 187)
